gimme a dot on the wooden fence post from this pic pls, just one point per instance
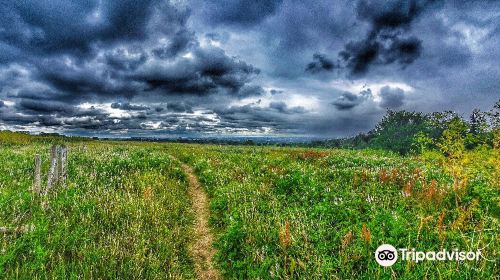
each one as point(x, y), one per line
point(56, 170)
point(52, 177)
point(63, 165)
point(37, 186)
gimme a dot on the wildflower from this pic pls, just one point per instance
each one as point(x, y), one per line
point(346, 240)
point(366, 234)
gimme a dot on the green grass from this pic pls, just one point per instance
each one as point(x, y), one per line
point(327, 197)
point(124, 214)
point(285, 213)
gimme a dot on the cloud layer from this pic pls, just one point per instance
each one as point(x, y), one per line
point(319, 68)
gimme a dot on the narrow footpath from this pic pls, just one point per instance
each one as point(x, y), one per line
point(201, 249)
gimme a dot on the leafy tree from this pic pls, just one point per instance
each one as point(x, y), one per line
point(494, 122)
point(422, 141)
point(479, 127)
point(447, 132)
point(397, 130)
point(452, 141)
point(478, 122)
point(439, 122)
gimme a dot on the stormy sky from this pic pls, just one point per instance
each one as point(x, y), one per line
point(230, 67)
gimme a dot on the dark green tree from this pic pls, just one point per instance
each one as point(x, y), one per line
point(479, 130)
point(398, 129)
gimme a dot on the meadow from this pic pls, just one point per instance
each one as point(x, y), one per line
point(275, 212)
point(124, 214)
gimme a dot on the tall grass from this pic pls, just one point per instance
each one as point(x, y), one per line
point(125, 214)
point(315, 214)
point(283, 213)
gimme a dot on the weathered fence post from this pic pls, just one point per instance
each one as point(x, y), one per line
point(63, 165)
point(57, 172)
point(58, 162)
point(37, 186)
point(51, 180)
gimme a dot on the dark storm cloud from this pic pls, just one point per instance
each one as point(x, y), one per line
point(103, 123)
point(391, 97)
point(72, 26)
point(124, 59)
point(57, 63)
point(240, 12)
point(282, 107)
point(8, 53)
point(277, 116)
point(403, 50)
point(350, 100)
point(320, 63)
point(126, 73)
point(180, 107)
point(38, 94)
point(359, 55)
point(80, 81)
point(279, 106)
point(390, 15)
point(9, 117)
point(54, 114)
point(250, 90)
point(128, 107)
point(180, 42)
point(62, 116)
point(385, 42)
point(42, 108)
point(288, 39)
point(181, 66)
point(210, 70)
point(45, 107)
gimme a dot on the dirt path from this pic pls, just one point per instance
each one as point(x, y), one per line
point(201, 249)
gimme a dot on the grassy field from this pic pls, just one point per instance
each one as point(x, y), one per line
point(305, 213)
point(286, 213)
point(124, 214)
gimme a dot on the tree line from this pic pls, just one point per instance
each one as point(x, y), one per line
point(407, 132)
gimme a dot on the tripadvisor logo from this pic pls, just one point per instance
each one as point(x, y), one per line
point(387, 255)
